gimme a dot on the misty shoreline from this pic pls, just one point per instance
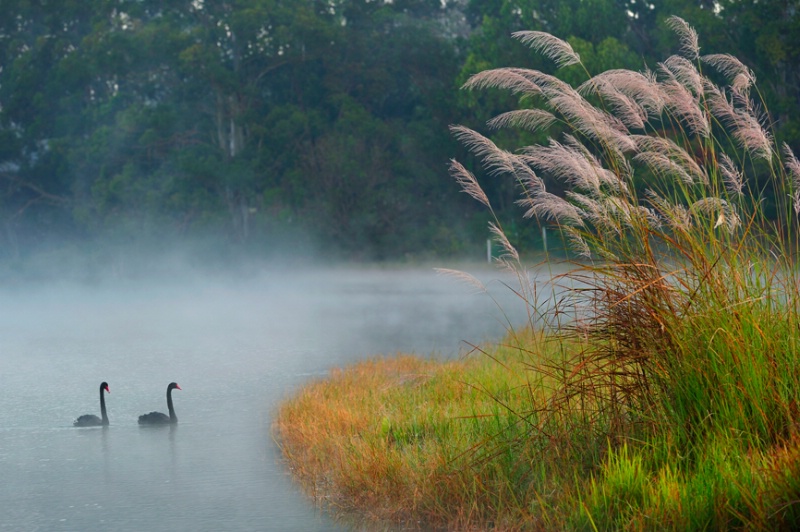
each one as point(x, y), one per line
point(178, 262)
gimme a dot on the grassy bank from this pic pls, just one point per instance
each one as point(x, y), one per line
point(408, 439)
point(666, 392)
point(456, 445)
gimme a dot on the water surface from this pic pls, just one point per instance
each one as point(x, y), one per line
point(236, 348)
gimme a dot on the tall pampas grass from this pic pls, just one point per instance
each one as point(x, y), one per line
point(683, 293)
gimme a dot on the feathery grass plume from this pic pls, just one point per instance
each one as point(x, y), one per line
point(468, 182)
point(530, 119)
point(744, 125)
point(547, 206)
point(731, 175)
point(549, 46)
point(512, 79)
point(793, 168)
point(577, 243)
point(622, 210)
point(729, 217)
point(792, 165)
point(530, 182)
point(668, 148)
point(612, 213)
point(570, 165)
point(586, 118)
point(719, 208)
point(615, 181)
point(501, 238)
point(664, 166)
point(525, 175)
point(654, 221)
point(593, 210)
point(690, 46)
point(739, 76)
point(643, 89)
point(676, 216)
point(629, 214)
point(550, 85)
point(685, 72)
point(621, 105)
point(494, 159)
point(463, 277)
point(682, 104)
point(608, 131)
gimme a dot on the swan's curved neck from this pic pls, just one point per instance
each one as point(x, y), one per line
point(103, 407)
point(172, 417)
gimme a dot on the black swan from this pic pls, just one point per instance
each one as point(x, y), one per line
point(157, 418)
point(91, 420)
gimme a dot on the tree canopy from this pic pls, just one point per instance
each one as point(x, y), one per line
point(256, 122)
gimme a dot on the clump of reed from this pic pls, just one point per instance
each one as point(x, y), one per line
point(678, 396)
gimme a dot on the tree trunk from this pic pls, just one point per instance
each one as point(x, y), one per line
point(231, 140)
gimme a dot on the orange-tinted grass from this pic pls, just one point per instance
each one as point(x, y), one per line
point(400, 439)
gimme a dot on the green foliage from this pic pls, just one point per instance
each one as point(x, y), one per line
point(195, 114)
point(97, 93)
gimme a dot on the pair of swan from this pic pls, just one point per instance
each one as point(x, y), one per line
point(153, 418)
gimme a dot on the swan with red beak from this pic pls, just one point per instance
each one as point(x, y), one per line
point(157, 418)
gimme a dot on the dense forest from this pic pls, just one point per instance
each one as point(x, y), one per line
point(277, 126)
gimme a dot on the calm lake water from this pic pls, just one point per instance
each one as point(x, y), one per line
point(236, 348)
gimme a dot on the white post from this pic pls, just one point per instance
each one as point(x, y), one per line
point(544, 238)
point(489, 250)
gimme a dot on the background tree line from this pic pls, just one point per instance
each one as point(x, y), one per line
point(274, 124)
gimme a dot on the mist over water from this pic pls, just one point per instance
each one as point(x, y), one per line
point(236, 347)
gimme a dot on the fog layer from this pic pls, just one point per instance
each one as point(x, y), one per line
point(236, 347)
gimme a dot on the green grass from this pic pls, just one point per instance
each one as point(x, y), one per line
point(456, 444)
point(665, 393)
